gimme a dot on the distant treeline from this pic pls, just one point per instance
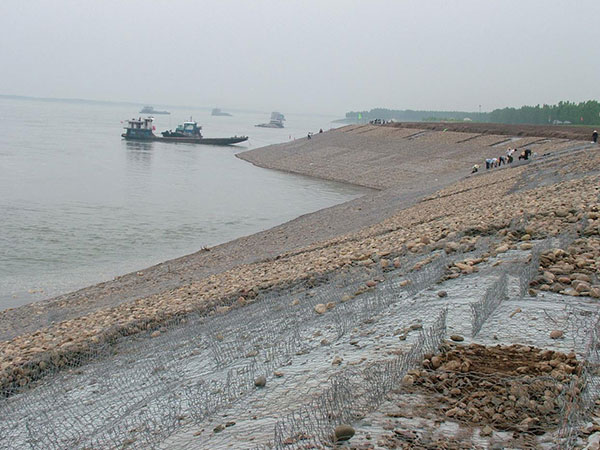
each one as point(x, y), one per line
point(407, 115)
point(584, 113)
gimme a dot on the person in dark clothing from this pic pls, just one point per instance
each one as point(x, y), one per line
point(595, 137)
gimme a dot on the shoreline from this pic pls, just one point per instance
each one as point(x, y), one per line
point(290, 252)
point(328, 223)
point(324, 224)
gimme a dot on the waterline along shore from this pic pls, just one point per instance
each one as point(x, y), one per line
point(526, 234)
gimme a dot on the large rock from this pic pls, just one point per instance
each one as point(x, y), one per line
point(451, 247)
point(557, 334)
point(408, 380)
point(486, 431)
point(582, 286)
point(343, 433)
point(261, 381)
point(320, 308)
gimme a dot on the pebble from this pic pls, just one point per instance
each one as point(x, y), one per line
point(336, 361)
point(457, 338)
point(442, 294)
point(512, 314)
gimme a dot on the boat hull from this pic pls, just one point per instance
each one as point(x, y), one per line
point(192, 140)
point(268, 125)
point(155, 112)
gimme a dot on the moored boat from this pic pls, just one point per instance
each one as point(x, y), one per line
point(140, 129)
point(189, 132)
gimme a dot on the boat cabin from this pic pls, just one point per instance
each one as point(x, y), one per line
point(189, 129)
point(140, 128)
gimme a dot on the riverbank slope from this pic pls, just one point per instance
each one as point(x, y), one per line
point(406, 164)
point(343, 327)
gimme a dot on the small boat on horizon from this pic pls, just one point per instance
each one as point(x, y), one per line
point(151, 110)
point(218, 112)
point(189, 132)
point(277, 120)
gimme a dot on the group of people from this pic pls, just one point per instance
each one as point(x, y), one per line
point(310, 133)
point(490, 163)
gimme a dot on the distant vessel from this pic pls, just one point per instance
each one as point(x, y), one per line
point(151, 110)
point(277, 120)
point(218, 112)
point(189, 132)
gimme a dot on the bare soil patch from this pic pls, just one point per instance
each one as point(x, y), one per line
point(508, 388)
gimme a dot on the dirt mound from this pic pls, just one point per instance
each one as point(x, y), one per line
point(550, 131)
point(509, 388)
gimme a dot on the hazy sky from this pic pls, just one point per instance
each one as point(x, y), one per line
point(328, 56)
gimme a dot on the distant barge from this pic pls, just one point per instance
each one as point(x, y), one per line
point(151, 110)
point(276, 121)
point(189, 132)
point(218, 112)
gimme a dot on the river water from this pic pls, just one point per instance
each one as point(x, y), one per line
point(79, 205)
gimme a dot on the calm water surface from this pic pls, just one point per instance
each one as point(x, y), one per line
point(79, 205)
